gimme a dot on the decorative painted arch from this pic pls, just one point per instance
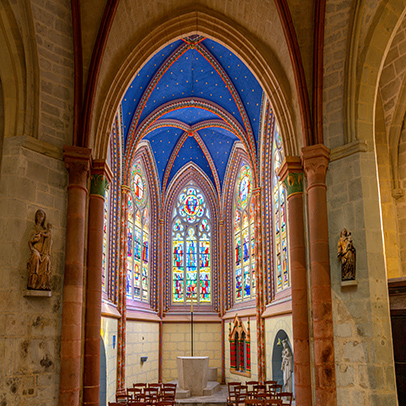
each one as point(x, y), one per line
point(235, 127)
point(190, 173)
point(237, 156)
point(145, 155)
point(262, 65)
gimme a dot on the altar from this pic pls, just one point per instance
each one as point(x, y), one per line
point(193, 374)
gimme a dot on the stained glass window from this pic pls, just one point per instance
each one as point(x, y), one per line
point(282, 279)
point(138, 231)
point(105, 239)
point(244, 237)
point(191, 248)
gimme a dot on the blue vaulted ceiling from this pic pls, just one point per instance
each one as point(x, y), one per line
point(192, 101)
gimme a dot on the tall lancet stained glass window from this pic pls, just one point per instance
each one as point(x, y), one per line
point(282, 279)
point(244, 237)
point(106, 212)
point(191, 248)
point(138, 231)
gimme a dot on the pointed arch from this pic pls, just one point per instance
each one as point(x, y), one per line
point(187, 174)
point(145, 155)
point(237, 157)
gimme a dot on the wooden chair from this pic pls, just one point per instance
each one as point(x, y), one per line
point(169, 385)
point(135, 403)
point(155, 385)
point(115, 403)
point(272, 402)
point(241, 395)
point(151, 394)
point(140, 385)
point(258, 389)
point(134, 393)
point(166, 403)
point(270, 383)
point(233, 392)
point(275, 388)
point(253, 402)
point(123, 398)
point(250, 387)
point(285, 397)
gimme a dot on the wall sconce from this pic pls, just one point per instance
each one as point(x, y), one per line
point(143, 359)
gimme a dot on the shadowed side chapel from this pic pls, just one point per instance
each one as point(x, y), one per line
point(202, 192)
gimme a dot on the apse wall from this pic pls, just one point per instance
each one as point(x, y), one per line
point(142, 340)
point(176, 342)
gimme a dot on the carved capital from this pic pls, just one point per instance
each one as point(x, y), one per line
point(125, 189)
point(315, 160)
point(291, 174)
point(100, 178)
point(77, 162)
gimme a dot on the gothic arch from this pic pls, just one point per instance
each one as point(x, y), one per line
point(237, 156)
point(145, 155)
point(262, 63)
point(188, 173)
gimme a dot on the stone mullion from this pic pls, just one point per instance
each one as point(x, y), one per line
point(260, 306)
point(315, 161)
point(101, 175)
point(291, 174)
point(122, 296)
point(77, 162)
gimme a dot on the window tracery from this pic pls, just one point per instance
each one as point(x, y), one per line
point(191, 248)
point(138, 230)
point(244, 237)
point(282, 278)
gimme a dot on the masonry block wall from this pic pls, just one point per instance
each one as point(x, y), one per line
point(176, 338)
point(109, 335)
point(401, 204)
point(142, 341)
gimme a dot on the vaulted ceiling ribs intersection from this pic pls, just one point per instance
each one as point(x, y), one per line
point(192, 101)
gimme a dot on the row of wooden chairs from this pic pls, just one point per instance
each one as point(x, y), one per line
point(255, 393)
point(142, 394)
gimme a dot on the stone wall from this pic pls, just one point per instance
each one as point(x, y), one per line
point(401, 204)
point(109, 335)
point(142, 341)
point(176, 339)
point(30, 326)
point(232, 377)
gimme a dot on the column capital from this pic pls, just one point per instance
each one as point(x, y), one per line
point(100, 178)
point(77, 162)
point(125, 189)
point(291, 174)
point(315, 160)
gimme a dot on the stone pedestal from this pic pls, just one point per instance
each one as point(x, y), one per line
point(193, 373)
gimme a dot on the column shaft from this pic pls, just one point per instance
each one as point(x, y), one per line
point(77, 162)
point(91, 375)
point(315, 160)
point(291, 174)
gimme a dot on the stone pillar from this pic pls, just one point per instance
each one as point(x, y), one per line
point(315, 161)
point(291, 174)
point(122, 294)
point(221, 299)
point(101, 176)
point(77, 162)
point(160, 277)
point(260, 305)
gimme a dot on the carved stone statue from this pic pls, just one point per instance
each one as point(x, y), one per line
point(287, 366)
point(39, 264)
point(347, 254)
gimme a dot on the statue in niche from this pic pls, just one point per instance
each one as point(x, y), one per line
point(347, 255)
point(39, 264)
point(287, 366)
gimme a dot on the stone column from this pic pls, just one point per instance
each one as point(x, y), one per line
point(122, 293)
point(260, 305)
point(291, 174)
point(221, 299)
point(315, 161)
point(160, 277)
point(77, 162)
point(100, 178)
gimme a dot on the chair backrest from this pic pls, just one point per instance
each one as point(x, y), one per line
point(253, 402)
point(285, 397)
point(134, 393)
point(275, 388)
point(272, 402)
point(154, 385)
point(139, 385)
point(232, 386)
point(169, 385)
point(259, 389)
point(121, 398)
